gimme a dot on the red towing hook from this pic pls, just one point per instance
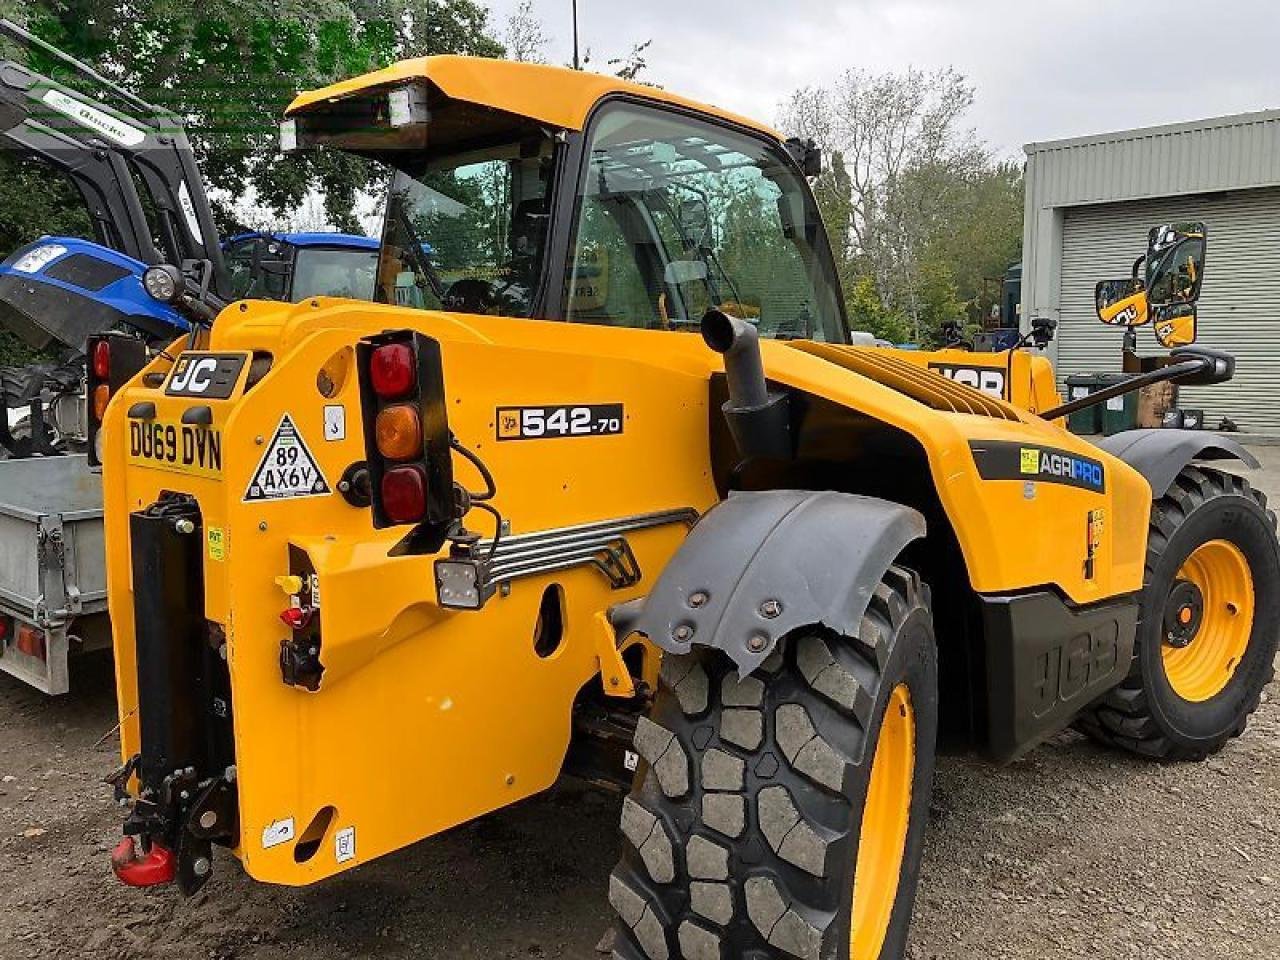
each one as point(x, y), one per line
point(143, 869)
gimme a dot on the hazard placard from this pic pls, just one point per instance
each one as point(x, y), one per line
point(287, 469)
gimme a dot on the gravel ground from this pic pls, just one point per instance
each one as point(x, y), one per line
point(1071, 852)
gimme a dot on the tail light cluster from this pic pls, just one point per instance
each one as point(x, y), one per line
point(406, 433)
point(112, 360)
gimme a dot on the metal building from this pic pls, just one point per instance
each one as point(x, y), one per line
point(1089, 204)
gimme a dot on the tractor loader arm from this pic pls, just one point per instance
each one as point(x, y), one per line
point(1160, 455)
point(760, 565)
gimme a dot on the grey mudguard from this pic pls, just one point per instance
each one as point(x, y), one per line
point(805, 557)
point(1159, 455)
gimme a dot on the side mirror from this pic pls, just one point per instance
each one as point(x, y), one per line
point(1215, 366)
point(1121, 303)
point(807, 154)
point(1174, 326)
point(1175, 264)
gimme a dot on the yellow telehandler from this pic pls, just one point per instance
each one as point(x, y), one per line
point(600, 487)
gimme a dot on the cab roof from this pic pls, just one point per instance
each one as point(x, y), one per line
point(312, 239)
point(554, 96)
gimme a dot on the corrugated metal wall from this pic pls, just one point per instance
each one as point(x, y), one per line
point(1225, 153)
point(1239, 309)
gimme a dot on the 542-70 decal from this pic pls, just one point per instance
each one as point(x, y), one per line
point(563, 420)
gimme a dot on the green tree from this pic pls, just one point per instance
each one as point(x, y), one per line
point(231, 72)
point(912, 199)
point(868, 313)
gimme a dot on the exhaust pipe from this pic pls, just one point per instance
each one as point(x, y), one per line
point(759, 420)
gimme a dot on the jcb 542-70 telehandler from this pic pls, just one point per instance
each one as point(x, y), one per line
point(600, 487)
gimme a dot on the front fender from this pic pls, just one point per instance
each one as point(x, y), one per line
point(759, 565)
point(1160, 455)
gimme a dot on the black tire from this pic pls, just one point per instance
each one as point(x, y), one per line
point(1145, 715)
point(742, 828)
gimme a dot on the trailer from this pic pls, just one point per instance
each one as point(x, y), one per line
point(53, 594)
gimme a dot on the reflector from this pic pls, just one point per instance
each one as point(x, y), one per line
point(404, 493)
point(31, 641)
point(392, 371)
point(399, 432)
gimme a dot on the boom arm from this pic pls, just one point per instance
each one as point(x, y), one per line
point(102, 149)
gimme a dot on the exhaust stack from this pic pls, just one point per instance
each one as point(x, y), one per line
point(760, 420)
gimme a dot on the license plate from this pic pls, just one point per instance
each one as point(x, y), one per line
point(178, 447)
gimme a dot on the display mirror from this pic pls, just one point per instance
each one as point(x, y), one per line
point(1121, 303)
point(1174, 326)
point(1175, 264)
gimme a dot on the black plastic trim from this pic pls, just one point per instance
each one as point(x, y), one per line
point(1047, 660)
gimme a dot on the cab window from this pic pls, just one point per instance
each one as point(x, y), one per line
point(676, 216)
point(464, 231)
point(258, 268)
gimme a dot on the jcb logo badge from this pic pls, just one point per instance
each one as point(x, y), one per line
point(209, 375)
point(987, 380)
point(508, 424)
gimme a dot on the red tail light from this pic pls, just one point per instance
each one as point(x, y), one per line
point(102, 359)
point(404, 493)
point(393, 371)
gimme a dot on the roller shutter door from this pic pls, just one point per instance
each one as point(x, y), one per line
point(1239, 309)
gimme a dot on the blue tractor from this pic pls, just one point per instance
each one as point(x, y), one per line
point(148, 205)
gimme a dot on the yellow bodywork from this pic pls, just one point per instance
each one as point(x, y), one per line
point(551, 95)
point(427, 718)
point(1024, 379)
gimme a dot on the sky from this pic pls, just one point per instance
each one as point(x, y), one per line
point(1043, 69)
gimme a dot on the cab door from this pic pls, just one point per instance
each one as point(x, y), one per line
point(674, 214)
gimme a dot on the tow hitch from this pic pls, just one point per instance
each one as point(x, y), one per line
point(136, 868)
point(169, 833)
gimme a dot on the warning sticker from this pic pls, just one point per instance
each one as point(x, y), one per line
point(287, 470)
point(277, 832)
point(217, 544)
point(344, 845)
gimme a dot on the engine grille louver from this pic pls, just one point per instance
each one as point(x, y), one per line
point(924, 386)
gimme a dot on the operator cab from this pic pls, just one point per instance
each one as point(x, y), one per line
point(647, 217)
point(292, 267)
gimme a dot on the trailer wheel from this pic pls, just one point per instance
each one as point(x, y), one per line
point(783, 814)
point(1208, 626)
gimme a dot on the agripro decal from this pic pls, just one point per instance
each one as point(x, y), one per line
point(1006, 460)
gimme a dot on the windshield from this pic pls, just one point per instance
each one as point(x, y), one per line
point(466, 232)
point(334, 272)
point(677, 216)
point(266, 268)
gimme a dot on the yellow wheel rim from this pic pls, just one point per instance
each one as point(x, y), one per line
point(1202, 669)
point(883, 841)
